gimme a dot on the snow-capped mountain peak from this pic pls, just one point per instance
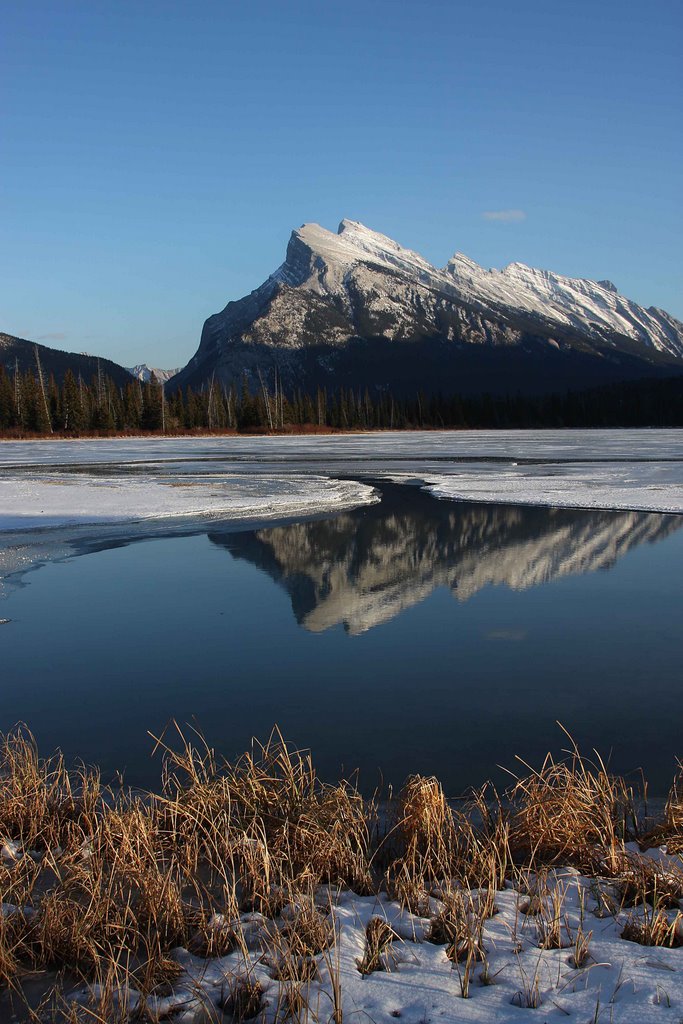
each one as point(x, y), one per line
point(144, 373)
point(336, 308)
point(353, 244)
point(320, 260)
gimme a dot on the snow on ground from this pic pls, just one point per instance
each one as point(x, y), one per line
point(620, 982)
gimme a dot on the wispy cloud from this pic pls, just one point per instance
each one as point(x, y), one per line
point(505, 215)
point(56, 336)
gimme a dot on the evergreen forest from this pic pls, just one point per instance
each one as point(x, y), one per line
point(30, 405)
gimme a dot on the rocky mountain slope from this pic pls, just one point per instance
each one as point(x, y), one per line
point(18, 352)
point(357, 309)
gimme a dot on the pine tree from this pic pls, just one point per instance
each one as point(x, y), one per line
point(8, 417)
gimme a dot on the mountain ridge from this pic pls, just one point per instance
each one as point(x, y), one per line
point(344, 309)
point(20, 352)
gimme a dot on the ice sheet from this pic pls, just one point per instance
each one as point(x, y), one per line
point(635, 486)
point(142, 477)
point(449, 445)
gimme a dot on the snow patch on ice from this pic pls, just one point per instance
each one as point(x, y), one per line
point(42, 500)
point(642, 487)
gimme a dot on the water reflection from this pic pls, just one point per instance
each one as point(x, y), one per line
point(363, 568)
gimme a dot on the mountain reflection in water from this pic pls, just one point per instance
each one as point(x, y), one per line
point(363, 568)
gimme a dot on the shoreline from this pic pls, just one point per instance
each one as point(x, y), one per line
point(298, 432)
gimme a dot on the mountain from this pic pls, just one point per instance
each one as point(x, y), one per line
point(144, 372)
point(357, 309)
point(18, 352)
point(364, 568)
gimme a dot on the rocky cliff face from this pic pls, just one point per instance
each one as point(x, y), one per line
point(363, 569)
point(357, 309)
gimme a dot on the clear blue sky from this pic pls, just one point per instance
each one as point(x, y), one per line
point(156, 155)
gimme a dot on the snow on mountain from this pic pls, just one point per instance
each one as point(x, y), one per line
point(144, 372)
point(333, 311)
point(353, 244)
point(589, 306)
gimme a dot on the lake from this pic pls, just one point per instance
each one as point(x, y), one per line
point(414, 635)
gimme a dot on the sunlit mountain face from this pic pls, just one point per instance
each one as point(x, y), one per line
point(363, 568)
point(354, 308)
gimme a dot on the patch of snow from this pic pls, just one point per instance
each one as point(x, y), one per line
point(620, 981)
point(10, 851)
point(645, 487)
point(41, 499)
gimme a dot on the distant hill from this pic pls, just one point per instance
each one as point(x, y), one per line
point(18, 352)
point(357, 310)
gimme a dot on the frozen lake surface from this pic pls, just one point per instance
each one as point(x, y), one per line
point(395, 635)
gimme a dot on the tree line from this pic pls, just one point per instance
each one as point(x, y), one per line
point(33, 405)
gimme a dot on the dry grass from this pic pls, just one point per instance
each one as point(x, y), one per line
point(654, 928)
point(108, 883)
point(379, 941)
point(243, 999)
point(572, 811)
point(459, 926)
point(670, 830)
point(642, 880)
point(581, 953)
point(552, 929)
point(42, 805)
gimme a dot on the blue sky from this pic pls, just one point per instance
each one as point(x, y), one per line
point(156, 155)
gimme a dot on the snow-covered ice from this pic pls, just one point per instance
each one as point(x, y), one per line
point(42, 499)
point(626, 469)
point(645, 487)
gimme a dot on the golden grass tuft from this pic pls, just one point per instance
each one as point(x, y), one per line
point(460, 925)
point(243, 999)
point(378, 954)
point(572, 811)
point(670, 830)
point(654, 928)
point(42, 805)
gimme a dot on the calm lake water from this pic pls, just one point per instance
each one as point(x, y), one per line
point(414, 635)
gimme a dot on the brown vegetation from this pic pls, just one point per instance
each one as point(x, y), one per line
point(101, 885)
